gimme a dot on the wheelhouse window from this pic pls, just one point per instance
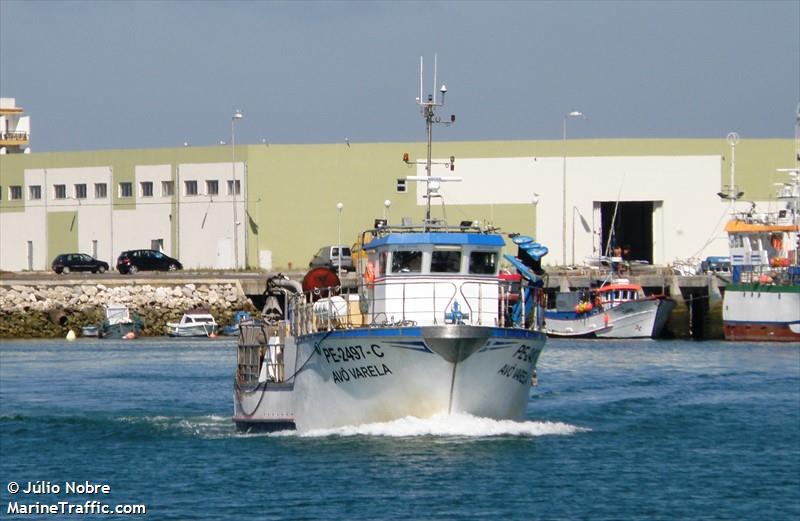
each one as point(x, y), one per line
point(146, 188)
point(100, 191)
point(446, 261)
point(407, 261)
point(59, 191)
point(382, 260)
point(34, 192)
point(167, 188)
point(190, 187)
point(212, 187)
point(483, 262)
point(80, 191)
point(15, 193)
point(126, 189)
point(401, 186)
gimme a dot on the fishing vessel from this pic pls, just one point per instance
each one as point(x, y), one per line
point(618, 309)
point(762, 303)
point(424, 333)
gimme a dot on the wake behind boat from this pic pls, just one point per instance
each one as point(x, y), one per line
point(428, 331)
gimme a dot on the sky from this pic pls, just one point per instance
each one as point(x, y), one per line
point(154, 74)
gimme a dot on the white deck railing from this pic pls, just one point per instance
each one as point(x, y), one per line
point(401, 304)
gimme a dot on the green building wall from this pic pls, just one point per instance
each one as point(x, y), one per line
point(292, 190)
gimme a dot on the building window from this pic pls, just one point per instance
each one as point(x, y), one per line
point(190, 187)
point(401, 186)
point(34, 192)
point(146, 188)
point(15, 193)
point(60, 191)
point(212, 187)
point(100, 191)
point(126, 189)
point(167, 188)
point(231, 184)
point(80, 191)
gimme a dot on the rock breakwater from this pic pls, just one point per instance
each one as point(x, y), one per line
point(50, 311)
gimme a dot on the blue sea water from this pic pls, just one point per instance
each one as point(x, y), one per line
point(615, 430)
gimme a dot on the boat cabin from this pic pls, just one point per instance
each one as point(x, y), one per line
point(192, 318)
point(618, 293)
point(117, 314)
point(427, 278)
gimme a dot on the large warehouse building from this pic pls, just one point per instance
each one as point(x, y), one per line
point(272, 206)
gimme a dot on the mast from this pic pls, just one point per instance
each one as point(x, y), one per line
point(428, 106)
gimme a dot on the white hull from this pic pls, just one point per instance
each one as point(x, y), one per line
point(758, 313)
point(381, 374)
point(643, 318)
point(188, 331)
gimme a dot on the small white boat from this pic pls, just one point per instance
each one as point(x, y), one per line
point(197, 322)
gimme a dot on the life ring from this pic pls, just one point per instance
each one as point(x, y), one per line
point(369, 275)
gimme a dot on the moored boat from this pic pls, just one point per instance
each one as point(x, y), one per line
point(618, 309)
point(194, 323)
point(763, 301)
point(119, 323)
point(238, 318)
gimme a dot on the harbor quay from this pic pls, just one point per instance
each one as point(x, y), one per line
point(44, 305)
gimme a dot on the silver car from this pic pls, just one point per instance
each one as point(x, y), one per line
point(328, 257)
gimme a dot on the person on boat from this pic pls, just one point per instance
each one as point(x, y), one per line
point(626, 258)
point(616, 264)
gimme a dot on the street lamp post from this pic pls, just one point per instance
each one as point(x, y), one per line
point(236, 115)
point(386, 205)
point(573, 114)
point(733, 139)
point(339, 207)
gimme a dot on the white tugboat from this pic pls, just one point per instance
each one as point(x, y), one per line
point(427, 332)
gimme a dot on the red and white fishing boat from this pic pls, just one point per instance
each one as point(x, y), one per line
point(619, 309)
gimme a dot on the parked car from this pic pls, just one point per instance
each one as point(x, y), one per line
point(328, 256)
point(67, 262)
point(132, 261)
